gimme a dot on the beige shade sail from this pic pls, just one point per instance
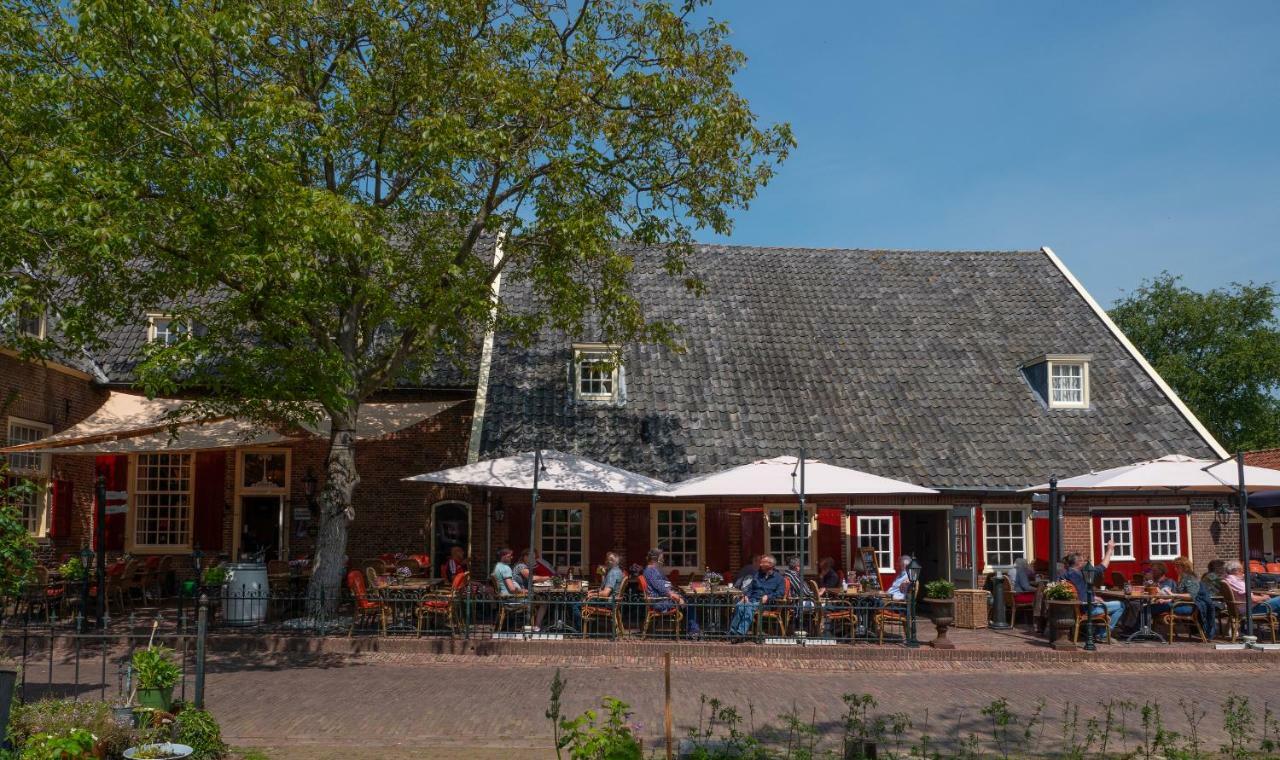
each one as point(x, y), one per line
point(780, 476)
point(127, 423)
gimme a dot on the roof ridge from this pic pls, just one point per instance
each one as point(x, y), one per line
point(839, 249)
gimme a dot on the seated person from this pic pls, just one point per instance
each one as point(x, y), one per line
point(1187, 584)
point(766, 586)
point(508, 583)
point(901, 585)
point(457, 563)
point(1023, 580)
point(828, 578)
point(1074, 574)
point(607, 594)
point(542, 568)
point(524, 575)
point(1262, 603)
point(1159, 575)
point(801, 592)
point(659, 589)
point(1213, 576)
point(747, 573)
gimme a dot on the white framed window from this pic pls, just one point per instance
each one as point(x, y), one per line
point(1120, 530)
point(31, 498)
point(1068, 384)
point(676, 529)
point(877, 531)
point(597, 373)
point(28, 464)
point(790, 534)
point(160, 518)
point(263, 470)
point(166, 330)
point(32, 323)
point(562, 535)
point(1164, 537)
point(1005, 533)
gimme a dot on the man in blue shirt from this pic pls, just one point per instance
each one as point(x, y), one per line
point(767, 586)
point(610, 587)
point(657, 587)
point(1074, 575)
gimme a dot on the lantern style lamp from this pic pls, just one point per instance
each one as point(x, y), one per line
point(309, 482)
point(1090, 572)
point(913, 575)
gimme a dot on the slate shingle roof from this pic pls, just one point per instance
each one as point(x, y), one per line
point(901, 363)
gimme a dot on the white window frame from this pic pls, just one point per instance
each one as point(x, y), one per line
point(543, 510)
point(42, 326)
point(1103, 532)
point(590, 354)
point(135, 506)
point(1021, 523)
point(1083, 365)
point(259, 489)
point(1177, 537)
point(700, 540)
point(41, 470)
point(885, 564)
point(810, 561)
point(153, 331)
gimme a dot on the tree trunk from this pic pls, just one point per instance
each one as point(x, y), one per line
point(336, 514)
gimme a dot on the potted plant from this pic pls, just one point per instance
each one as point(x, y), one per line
point(156, 674)
point(940, 595)
point(73, 570)
point(714, 580)
point(158, 751)
point(214, 576)
point(1063, 604)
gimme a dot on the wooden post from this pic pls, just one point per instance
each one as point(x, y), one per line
point(666, 711)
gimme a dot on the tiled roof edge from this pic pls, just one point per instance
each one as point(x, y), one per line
point(1135, 353)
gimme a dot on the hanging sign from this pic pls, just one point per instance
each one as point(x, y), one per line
point(301, 514)
point(117, 502)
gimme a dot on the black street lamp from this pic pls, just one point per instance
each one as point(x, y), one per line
point(1090, 572)
point(86, 558)
point(913, 575)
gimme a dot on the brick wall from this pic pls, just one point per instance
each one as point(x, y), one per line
point(58, 397)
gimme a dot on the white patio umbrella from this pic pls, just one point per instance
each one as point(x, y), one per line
point(560, 472)
point(781, 476)
point(1175, 473)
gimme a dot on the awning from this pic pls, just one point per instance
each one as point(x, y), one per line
point(561, 472)
point(127, 423)
point(780, 476)
point(1174, 473)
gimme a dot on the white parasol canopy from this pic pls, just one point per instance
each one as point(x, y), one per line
point(780, 476)
point(561, 472)
point(1171, 473)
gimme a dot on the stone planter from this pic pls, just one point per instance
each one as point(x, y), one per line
point(1062, 619)
point(941, 612)
point(163, 751)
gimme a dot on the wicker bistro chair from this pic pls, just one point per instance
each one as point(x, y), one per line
point(1171, 618)
point(366, 605)
point(513, 606)
point(445, 604)
point(1089, 618)
point(777, 612)
point(1235, 617)
point(133, 580)
point(836, 612)
point(894, 614)
point(1117, 579)
point(597, 611)
point(653, 615)
point(1015, 602)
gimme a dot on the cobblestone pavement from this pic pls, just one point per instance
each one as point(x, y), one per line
point(407, 706)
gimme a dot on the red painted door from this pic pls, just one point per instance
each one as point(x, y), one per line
point(716, 536)
point(1040, 541)
point(752, 535)
point(829, 520)
point(63, 505)
point(115, 471)
point(210, 500)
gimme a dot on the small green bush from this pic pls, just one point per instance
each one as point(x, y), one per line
point(215, 576)
point(76, 744)
point(154, 668)
point(60, 717)
point(72, 570)
point(199, 730)
point(939, 589)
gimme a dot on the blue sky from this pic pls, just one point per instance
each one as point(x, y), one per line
point(1129, 137)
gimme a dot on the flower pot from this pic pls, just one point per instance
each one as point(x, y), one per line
point(1062, 618)
point(941, 612)
point(163, 751)
point(156, 699)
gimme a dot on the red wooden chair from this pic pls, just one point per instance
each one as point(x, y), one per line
point(365, 607)
point(1273, 568)
point(652, 614)
point(445, 605)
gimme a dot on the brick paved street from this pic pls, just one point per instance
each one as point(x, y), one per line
point(401, 705)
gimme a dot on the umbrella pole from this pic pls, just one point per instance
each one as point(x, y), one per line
point(1055, 527)
point(533, 527)
point(1243, 497)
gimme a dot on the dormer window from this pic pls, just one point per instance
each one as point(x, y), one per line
point(32, 323)
point(597, 373)
point(1060, 380)
point(165, 330)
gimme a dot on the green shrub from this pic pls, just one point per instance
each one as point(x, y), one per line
point(76, 744)
point(198, 729)
point(154, 668)
point(215, 576)
point(17, 547)
point(939, 589)
point(60, 717)
point(72, 570)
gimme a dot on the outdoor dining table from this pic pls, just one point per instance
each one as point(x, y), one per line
point(560, 600)
point(862, 602)
point(1144, 602)
point(713, 606)
point(403, 598)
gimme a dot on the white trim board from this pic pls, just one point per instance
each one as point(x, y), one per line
point(1136, 354)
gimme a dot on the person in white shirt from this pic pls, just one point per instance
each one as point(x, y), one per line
point(901, 585)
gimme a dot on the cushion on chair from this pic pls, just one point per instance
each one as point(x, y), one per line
point(1025, 597)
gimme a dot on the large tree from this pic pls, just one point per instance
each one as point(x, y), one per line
point(317, 184)
point(1219, 350)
